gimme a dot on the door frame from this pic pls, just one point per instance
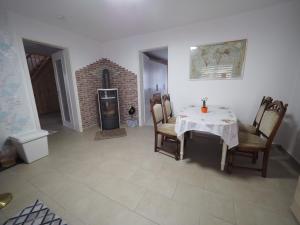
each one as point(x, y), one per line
point(141, 81)
point(60, 56)
point(29, 90)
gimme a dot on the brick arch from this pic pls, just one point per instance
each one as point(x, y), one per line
point(89, 79)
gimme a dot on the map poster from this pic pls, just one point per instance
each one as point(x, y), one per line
point(218, 61)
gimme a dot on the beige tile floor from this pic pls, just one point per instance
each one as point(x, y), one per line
point(123, 181)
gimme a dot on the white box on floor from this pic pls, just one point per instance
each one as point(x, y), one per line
point(32, 146)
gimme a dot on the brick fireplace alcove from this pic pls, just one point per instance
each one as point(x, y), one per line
point(89, 79)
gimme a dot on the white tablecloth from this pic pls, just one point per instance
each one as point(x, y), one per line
point(218, 120)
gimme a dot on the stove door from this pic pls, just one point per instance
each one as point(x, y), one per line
point(109, 110)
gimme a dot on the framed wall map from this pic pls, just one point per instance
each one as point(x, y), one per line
point(223, 60)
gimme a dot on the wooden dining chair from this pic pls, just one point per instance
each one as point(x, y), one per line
point(253, 129)
point(157, 97)
point(166, 130)
point(261, 143)
point(167, 109)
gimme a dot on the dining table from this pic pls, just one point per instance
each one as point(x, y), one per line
point(218, 120)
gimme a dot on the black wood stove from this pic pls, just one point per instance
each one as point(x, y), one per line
point(108, 102)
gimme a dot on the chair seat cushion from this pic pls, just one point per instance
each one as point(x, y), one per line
point(172, 120)
point(167, 128)
point(247, 128)
point(247, 140)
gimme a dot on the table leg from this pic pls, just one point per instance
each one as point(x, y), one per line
point(224, 153)
point(181, 138)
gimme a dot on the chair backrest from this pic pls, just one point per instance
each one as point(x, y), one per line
point(167, 107)
point(271, 120)
point(156, 111)
point(264, 103)
point(157, 97)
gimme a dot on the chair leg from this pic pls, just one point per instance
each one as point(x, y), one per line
point(265, 164)
point(254, 157)
point(229, 162)
point(155, 142)
point(162, 140)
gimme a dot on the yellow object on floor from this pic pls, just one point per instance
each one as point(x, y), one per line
point(5, 199)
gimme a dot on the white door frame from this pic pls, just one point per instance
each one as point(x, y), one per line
point(141, 82)
point(55, 57)
point(142, 94)
point(28, 84)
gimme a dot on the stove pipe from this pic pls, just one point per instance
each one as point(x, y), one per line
point(105, 79)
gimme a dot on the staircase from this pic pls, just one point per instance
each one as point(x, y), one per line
point(36, 63)
point(43, 83)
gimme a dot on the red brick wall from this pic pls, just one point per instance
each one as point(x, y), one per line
point(89, 79)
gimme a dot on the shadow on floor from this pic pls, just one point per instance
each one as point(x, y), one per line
point(51, 122)
point(206, 151)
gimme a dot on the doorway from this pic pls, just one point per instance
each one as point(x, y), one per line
point(155, 77)
point(47, 69)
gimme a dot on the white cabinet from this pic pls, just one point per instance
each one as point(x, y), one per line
point(32, 146)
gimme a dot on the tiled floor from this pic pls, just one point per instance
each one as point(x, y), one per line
point(122, 181)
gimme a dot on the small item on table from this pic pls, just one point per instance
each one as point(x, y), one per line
point(204, 108)
point(182, 116)
point(227, 120)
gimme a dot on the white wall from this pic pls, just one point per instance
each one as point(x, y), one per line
point(81, 51)
point(15, 112)
point(272, 57)
point(155, 76)
point(159, 78)
point(289, 135)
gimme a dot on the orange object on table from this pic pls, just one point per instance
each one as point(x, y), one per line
point(204, 109)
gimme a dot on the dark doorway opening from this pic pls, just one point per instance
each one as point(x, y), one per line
point(40, 65)
point(155, 77)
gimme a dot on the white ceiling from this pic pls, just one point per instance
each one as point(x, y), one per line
point(104, 20)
